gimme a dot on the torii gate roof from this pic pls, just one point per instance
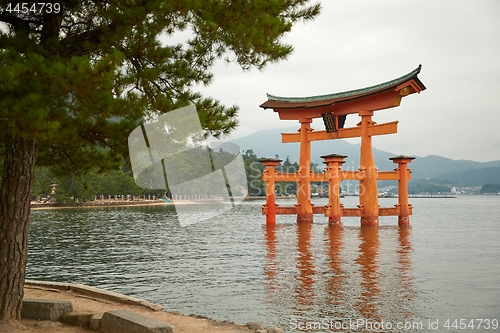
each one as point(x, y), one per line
point(380, 96)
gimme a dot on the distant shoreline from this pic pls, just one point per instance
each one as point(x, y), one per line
point(127, 203)
point(138, 203)
point(108, 204)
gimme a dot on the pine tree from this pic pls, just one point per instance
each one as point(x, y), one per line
point(77, 76)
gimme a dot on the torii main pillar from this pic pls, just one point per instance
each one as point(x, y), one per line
point(304, 206)
point(368, 190)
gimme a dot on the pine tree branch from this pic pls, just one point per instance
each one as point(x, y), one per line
point(49, 37)
point(85, 42)
point(17, 21)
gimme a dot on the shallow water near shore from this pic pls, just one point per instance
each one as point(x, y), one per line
point(233, 267)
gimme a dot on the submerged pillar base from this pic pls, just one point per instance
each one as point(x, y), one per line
point(403, 220)
point(270, 209)
point(305, 218)
point(334, 221)
point(369, 220)
point(270, 219)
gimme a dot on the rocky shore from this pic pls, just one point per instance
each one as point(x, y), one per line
point(91, 302)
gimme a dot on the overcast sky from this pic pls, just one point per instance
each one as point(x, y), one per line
point(359, 43)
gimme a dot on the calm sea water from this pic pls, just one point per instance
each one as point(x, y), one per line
point(311, 278)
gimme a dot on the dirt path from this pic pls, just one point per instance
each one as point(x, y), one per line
point(98, 305)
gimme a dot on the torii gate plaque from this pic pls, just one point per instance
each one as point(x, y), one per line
point(334, 108)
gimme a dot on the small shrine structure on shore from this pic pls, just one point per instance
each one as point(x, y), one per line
point(334, 108)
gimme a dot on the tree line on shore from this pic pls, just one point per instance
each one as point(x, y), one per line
point(86, 187)
point(74, 188)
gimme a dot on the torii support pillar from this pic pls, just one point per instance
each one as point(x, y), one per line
point(269, 175)
point(368, 191)
point(334, 208)
point(404, 175)
point(304, 206)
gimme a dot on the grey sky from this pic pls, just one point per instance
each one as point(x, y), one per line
point(359, 43)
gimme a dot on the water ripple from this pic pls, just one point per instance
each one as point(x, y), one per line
point(234, 267)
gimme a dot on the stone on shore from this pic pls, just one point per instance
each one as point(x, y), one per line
point(43, 309)
point(124, 321)
point(81, 319)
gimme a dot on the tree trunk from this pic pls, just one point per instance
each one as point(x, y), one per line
point(15, 196)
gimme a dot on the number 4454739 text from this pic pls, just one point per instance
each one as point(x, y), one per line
point(33, 8)
point(472, 324)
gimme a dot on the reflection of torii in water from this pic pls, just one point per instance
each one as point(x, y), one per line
point(334, 108)
point(335, 283)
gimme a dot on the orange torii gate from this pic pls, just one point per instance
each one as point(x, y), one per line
point(334, 109)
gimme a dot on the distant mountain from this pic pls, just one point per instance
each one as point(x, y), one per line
point(267, 143)
point(475, 177)
point(433, 166)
